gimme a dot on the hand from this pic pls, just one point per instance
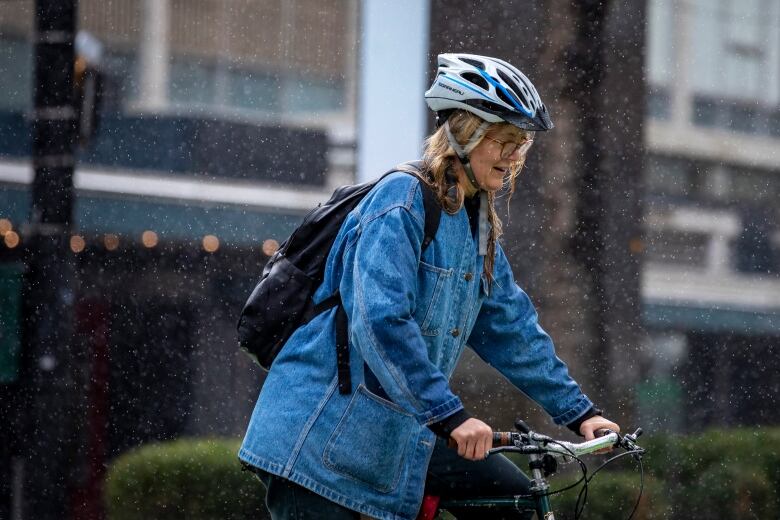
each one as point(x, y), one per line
point(474, 438)
point(590, 427)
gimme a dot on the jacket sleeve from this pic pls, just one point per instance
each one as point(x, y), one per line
point(507, 335)
point(379, 293)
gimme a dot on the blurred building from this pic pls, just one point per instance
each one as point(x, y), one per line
point(711, 280)
point(222, 122)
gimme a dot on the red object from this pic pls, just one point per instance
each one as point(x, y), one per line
point(430, 506)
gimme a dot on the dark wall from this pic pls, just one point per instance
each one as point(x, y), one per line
point(730, 380)
point(574, 233)
point(192, 145)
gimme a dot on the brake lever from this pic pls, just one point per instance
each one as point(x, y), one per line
point(628, 443)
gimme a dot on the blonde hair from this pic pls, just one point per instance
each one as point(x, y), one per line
point(438, 162)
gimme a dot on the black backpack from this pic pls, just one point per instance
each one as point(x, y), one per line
point(282, 299)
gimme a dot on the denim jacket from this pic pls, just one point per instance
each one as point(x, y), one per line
point(410, 316)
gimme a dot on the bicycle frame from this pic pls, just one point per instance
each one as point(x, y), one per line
point(540, 501)
point(536, 446)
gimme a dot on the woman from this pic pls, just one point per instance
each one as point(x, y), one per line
point(411, 312)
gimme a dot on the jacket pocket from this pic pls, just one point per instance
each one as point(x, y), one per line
point(432, 283)
point(370, 442)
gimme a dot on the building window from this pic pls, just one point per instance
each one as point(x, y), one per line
point(659, 102)
point(669, 176)
point(735, 63)
point(660, 62)
point(677, 247)
point(274, 57)
point(15, 74)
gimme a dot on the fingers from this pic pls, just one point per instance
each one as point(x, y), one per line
point(477, 448)
point(474, 438)
point(469, 448)
point(462, 448)
point(596, 427)
point(487, 443)
point(596, 423)
point(587, 431)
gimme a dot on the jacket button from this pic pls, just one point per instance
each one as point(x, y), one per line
point(455, 333)
point(468, 277)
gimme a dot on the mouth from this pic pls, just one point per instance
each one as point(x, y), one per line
point(502, 171)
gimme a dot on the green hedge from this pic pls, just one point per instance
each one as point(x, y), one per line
point(728, 474)
point(613, 495)
point(732, 474)
point(189, 479)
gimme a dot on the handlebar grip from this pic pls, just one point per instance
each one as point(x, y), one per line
point(502, 439)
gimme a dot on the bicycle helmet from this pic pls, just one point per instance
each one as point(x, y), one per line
point(488, 87)
point(496, 92)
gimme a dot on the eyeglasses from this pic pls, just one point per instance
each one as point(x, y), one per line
point(508, 148)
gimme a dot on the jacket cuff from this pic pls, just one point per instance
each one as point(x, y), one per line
point(575, 425)
point(447, 425)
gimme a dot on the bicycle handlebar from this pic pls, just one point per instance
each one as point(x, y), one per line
point(535, 443)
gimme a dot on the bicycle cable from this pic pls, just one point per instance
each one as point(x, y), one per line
point(583, 477)
point(582, 497)
point(583, 468)
point(583, 494)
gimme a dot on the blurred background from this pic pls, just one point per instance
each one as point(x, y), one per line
point(154, 153)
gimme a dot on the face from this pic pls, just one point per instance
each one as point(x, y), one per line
point(490, 168)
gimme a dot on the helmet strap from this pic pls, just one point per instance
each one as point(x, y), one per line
point(463, 154)
point(463, 151)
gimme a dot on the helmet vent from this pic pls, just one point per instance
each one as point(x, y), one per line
point(489, 106)
point(503, 97)
point(526, 90)
point(475, 79)
point(478, 64)
point(509, 81)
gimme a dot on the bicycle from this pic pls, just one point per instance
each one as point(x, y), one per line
point(544, 454)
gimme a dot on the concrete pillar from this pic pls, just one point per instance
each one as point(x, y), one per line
point(393, 77)
point(154, 55)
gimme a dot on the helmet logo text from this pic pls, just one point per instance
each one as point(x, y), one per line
point(460, 92)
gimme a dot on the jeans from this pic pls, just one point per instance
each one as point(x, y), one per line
point(449, 476)
point(452, 476)
point(287, 500)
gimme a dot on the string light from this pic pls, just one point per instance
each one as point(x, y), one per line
point(111, 241)
point(210, 243)
point(149, 239)
point(11, 239)
point(77, 243)
point(270, 247)
point(5, 226)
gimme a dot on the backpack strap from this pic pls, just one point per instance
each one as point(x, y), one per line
point(430, 201)
point(342, 351)
point(432, 219)
point(328, 303)
point(432, 214)
point(342, 337)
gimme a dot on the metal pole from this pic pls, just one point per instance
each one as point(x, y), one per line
point(50, 406)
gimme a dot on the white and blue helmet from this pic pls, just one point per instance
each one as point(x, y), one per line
point(490, 88)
